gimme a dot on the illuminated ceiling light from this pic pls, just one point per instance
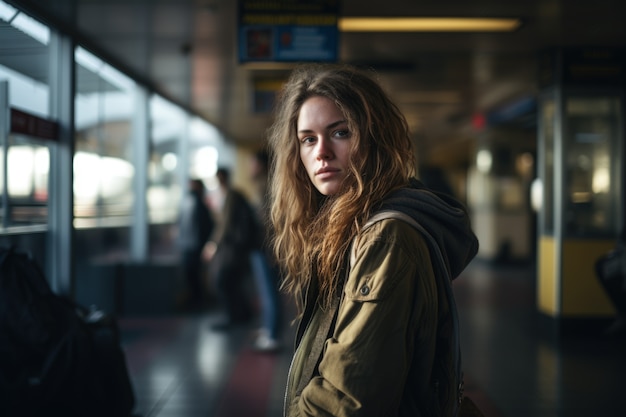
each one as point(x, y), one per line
point(117, 78)
point(427, 24)
point(7, 12)
point(94, 64)
point(88, 60)
point(32, 28)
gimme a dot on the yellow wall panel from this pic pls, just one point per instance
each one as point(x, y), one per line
point(582, 293)
point(547, 279)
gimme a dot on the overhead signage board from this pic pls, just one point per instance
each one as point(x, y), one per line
point(288, 30)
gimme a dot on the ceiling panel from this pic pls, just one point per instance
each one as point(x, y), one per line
point(187, 49)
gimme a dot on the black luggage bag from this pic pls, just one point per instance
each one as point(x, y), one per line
point(56, 358)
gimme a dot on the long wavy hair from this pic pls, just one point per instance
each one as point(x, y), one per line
point(313, 232)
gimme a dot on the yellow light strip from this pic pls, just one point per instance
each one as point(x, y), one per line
point(418, 97)
point(426, 24)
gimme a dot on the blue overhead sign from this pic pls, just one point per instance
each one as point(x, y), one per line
point(288, 30)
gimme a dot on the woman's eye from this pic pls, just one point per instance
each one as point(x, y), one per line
point(342, 133)
point(307, 139)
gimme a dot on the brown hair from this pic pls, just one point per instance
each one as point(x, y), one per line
point(313, 232)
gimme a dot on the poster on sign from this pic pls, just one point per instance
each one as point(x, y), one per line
point(288, 31)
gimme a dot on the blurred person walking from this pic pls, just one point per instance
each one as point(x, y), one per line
point(229, 253)
point(196, 225)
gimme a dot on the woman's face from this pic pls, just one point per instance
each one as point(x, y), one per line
point(324, 143)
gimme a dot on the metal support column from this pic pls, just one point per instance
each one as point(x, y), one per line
point(141, 156)
point(4, 139)
point(59, 264)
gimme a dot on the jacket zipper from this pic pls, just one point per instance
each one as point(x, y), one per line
point(289, 377)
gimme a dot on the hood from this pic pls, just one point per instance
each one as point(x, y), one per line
point(444, 217)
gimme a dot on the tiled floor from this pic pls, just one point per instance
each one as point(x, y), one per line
point(180, 367)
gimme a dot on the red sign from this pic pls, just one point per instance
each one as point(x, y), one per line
point(31, 125)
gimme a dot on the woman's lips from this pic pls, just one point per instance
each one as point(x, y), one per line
point(326, 172)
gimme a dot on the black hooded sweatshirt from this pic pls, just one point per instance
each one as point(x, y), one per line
point(443, 216)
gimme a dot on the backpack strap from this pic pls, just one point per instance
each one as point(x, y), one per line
point(447, 286)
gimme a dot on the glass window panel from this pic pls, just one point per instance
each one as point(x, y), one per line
point(103, 165)
point(27, 182)
point(24, 67)
point(168, 124)
point(591, 146)
point(103, 169)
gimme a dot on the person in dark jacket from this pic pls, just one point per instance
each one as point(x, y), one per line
point(229, 253)
point(342, 152)
point(195, 227)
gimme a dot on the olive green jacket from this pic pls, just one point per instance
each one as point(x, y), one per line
point(379, 360)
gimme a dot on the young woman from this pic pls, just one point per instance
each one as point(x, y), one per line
point(342, 152)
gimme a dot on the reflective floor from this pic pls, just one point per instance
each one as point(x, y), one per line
point(181, 367)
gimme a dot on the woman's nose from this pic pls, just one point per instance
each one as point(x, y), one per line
point(324, 148)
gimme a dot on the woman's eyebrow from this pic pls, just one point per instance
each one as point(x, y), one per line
point(330, 126)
